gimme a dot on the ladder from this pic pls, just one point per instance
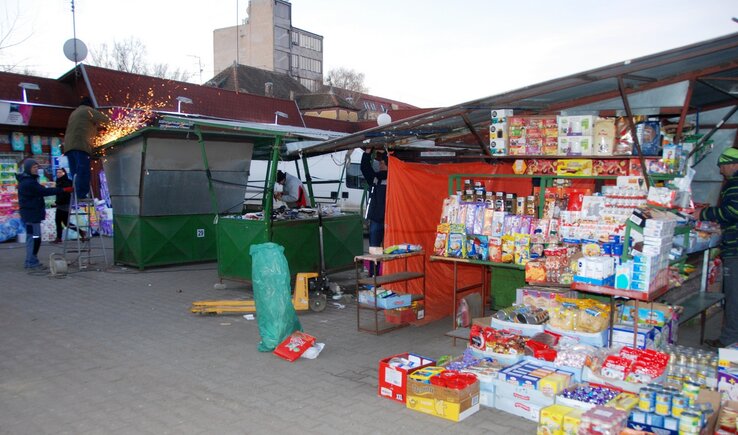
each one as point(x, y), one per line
point(78, 251)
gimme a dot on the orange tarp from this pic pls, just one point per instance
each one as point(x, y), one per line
point(415, 194)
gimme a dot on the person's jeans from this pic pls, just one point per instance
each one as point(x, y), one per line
point(33, 243)
point(79, 168)
point(376, 237)
point(729, 334)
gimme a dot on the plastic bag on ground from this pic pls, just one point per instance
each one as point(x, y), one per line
point(276, 315)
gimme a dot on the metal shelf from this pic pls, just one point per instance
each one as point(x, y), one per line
point(388, 279)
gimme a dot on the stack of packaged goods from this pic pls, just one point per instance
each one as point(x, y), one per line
point(498, 134)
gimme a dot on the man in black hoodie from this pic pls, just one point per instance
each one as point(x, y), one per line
point(377, 180)
point(32, 209)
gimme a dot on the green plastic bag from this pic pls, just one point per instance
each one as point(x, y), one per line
point(275, 313)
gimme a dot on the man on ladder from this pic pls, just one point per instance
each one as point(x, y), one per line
point(82, 127)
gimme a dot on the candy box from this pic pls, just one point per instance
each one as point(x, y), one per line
point(572, 421)
point(575, 125)
point(575, 146)
point(541, 167)
point(575, 167)
point(551, 420)
point(500, 115)
point(609, 167)
point(521, 401)
point(393, 372)
point(449, 403)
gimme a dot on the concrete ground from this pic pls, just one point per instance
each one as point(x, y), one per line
point(117, 351)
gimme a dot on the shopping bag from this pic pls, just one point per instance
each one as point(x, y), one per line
point(294, 346)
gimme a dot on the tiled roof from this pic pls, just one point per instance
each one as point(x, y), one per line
point(51, 91)
point(122, 89)
point(323, 101)
point(253, 80)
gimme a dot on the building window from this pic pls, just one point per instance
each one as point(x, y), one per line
point(312, 65)
point(295, 61)
point(307, 41)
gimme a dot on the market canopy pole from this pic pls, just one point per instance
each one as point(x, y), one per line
point(636, 143)
point(483, 145)
point(272, 178)
point(213, 199)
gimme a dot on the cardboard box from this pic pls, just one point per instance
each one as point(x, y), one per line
point(366, 297)
point(575, 125)
point(575, 146)
point(551, 420)
point(604, 137)
point(454, 405)
point(393, 380)
point(623, 334)
point(521, 401)
point(598, 339)
point(706, 396)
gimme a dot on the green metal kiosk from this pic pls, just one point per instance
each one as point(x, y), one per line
point(177, 190)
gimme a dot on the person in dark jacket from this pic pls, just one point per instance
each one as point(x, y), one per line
point(62, 205)
point(377, 180)
point(726, 214)
point(32, 209)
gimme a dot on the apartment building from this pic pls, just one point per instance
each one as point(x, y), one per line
point(266, 39)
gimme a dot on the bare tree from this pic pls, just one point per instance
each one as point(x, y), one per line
point(9, 37)
point(347, 83)
point(130, 55)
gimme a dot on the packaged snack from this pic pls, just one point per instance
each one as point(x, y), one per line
point(604, 136)
point(508, 249)
point(649, 137)
point(495, 249)
point(522, 248)
point(577, 167)
point(456, 246)
point(609, 167)
point(478, 226)
point(498, 223)
point(487, 229)
point(535, 271)
point(471, 215)
point(478, 247)
point(623, 138)
point(439, 246)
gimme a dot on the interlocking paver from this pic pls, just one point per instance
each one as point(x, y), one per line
point(117, 351)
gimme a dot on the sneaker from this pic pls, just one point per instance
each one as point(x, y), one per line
point(34, 266)
point(714, 343)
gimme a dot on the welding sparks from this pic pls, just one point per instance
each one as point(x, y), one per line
point(127, 120)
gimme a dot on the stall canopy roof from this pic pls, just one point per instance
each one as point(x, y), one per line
point(263, 135)
point(700, 77)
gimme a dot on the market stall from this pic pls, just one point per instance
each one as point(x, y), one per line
point(178, 189)
point(583, 131)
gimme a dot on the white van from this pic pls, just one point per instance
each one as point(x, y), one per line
point(334, 180)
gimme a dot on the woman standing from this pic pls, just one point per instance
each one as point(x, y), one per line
point(62, 206)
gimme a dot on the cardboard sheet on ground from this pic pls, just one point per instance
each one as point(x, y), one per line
point(415, 193)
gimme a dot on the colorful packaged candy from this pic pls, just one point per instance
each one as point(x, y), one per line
point(440, 244)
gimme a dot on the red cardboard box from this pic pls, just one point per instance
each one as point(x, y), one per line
point(294, 345)
point(393, 377)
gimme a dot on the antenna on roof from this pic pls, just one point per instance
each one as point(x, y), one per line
point(74, 49)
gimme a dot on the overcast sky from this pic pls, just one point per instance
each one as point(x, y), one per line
point(424, 52)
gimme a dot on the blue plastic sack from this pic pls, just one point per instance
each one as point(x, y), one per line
point(275, 313)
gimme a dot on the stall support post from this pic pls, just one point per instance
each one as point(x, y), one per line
point(631, 124)
point(309, 181)
point(213, 199)
point(269, 194)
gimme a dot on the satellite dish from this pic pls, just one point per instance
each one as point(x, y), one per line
point(69, 49)
point(384, 119)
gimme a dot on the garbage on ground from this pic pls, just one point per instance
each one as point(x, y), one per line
point(294, 346)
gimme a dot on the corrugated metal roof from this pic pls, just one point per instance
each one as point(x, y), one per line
point(704, 66)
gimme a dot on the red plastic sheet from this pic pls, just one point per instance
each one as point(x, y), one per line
point(415, 193)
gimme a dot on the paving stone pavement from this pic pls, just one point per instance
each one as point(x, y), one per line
point(117, 352)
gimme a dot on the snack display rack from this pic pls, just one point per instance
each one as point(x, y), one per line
point(375, 304)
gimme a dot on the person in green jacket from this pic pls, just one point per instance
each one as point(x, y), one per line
point(726, 214)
